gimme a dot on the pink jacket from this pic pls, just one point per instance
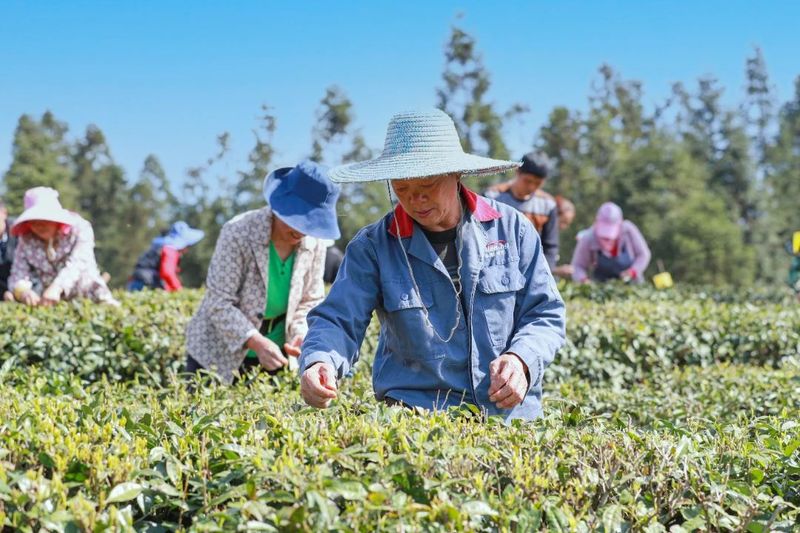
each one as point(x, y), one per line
point(584, 258)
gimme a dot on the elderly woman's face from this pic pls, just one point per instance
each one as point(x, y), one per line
point(284, 233)
point(432, 202)
point(607, 245)
point(43, 229)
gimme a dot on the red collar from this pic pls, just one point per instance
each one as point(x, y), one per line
point(477, 205)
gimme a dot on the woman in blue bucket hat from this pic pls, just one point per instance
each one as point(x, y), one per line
point(469, 311)
point(158, 267)
point(265, 276)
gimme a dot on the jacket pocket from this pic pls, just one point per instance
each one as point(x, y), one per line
point(400, 295)
point(407, 331)
point(496, 302)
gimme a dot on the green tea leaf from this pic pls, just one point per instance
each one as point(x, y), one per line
point(124, 492)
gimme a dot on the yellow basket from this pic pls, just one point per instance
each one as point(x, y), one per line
point(796, 242)
point(663, 280)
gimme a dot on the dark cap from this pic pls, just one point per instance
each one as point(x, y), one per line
point(535, 163)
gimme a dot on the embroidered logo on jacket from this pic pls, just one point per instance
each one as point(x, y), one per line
point(496, 247)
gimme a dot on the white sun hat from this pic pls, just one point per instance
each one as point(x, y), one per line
point(420, 144)
point(41, 203)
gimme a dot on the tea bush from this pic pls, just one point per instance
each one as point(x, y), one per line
point(619, 341)
point(144, 337)
point(714, 449)
point(663, 413)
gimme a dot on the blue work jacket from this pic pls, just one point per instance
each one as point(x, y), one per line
point(512, 305)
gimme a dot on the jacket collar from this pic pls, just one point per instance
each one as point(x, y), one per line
point(477, 205)
point(260, 231)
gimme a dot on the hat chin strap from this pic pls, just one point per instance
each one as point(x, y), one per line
point(456, 289)
point(51, 250)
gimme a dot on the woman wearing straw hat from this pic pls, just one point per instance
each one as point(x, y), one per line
point(469, 310)
point(265, 276)
point(54, 258)
point(158, 267)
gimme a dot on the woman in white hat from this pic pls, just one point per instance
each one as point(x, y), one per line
point(54, 258)
point(469, 310)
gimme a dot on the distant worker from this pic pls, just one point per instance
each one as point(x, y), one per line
point(7, 244)
point(614, 248)
point(566, 216)
point(525, 195)
point(159, 266)
point(793, 247)
point(54, 259)
point(566, 212)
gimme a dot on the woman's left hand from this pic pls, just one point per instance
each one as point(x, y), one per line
point(51, 296)
point(509, 381)
point(293, 348)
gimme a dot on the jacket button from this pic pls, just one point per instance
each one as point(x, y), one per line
point(506, 280)
point(404, 296)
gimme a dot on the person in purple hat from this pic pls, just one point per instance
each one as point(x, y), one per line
point(265, 276)
point(613, 248)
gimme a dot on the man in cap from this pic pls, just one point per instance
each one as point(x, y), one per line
point(525, 194)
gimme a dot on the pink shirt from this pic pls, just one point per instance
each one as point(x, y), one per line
point(584, 258)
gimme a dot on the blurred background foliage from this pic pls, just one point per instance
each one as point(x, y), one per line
point(713, 187)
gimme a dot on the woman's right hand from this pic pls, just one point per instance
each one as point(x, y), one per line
point(30, 298)
point(269, 354)
point(318, 385)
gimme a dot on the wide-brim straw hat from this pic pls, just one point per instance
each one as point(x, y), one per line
point(420, 144)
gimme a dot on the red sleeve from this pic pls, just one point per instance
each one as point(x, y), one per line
point(170, 257)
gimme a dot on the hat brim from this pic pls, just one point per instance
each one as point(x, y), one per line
point(607, 230)
point(49, 215)
point(316, 222)
point(412, 166)
point(312, 220)
point(186, 239)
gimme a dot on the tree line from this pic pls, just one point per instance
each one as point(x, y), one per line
point(713, 187)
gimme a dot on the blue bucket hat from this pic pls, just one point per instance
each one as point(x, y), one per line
point(305, 199)
point(180, 236)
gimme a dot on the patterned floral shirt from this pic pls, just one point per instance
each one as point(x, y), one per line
point(71, 267)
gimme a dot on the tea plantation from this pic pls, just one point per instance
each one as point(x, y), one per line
point(673, 411)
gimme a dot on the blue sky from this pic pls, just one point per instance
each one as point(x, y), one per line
point(166, 77)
